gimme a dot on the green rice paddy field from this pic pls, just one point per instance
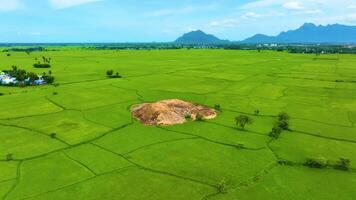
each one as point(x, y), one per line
point(100, 152)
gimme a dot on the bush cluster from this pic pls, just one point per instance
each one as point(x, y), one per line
point(341, 164)
point(41, 65)
point(281, 125)
point(110, 73)
point(45, 64)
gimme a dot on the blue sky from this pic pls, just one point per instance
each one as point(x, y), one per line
point(161, 20)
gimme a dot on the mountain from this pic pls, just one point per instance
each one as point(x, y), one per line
point(310, 33)
point(199, 37)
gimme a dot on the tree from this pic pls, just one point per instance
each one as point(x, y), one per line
point(48, 79)
point(283, 116)
point(283, 125)
point(110, 72)
point(343, 164)
point(20, 75)
point(276, 132)
point(243, 120)
point(13, 71)
point(14, 68)
point(32, 76)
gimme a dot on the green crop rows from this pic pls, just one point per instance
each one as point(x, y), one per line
point(77, 139)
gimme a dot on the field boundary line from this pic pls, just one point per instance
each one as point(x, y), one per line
point(116, 171)
point(80, 163)
point(71, 146)
point(18, 176)
point(158, 143)
point(36, 131)
point(156, 171)
point(237, 146)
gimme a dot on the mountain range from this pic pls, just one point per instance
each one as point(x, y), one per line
point(307, 33)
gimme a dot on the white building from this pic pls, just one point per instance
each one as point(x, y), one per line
point(7, 80)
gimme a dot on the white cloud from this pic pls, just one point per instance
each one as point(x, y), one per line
point(251, 15)
point(60, 4)
point(352, 16)
point(315, 11)
point(294, 5)
point(181, 10)
point(261, 3)
point(35, 33)
point(10, 5)
point(352, 6)
point(229, 23)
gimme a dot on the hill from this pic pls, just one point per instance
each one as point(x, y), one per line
point(199, 37)
point(310, 33)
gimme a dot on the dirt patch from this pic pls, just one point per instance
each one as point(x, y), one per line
point(170, 112)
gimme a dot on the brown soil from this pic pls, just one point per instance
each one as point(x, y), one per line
point(170, 112)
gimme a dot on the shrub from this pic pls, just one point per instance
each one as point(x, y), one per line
point(55, 93)
point(217, 107)
point(257, 112)
point(53, 135)
point(110, 72)
point(284, 162)
point(316, 163)
point(41, 65)
point(1, 94)
point(240, 146)
point(187, 116)
point(343, 164)
point(199, 117)
point(9, 157)
point(222, 187)
point(243, 120)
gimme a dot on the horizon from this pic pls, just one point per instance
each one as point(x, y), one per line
point(109, 21)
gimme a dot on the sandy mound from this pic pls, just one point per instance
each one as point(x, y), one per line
point(170, 112)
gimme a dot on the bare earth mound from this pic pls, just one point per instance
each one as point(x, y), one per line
point(170, 112)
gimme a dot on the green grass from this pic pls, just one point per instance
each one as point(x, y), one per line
point(77, 140)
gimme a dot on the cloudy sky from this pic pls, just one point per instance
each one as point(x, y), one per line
point(161, 20)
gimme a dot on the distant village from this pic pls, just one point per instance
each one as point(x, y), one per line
point(7, 79)
point(19, 77)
